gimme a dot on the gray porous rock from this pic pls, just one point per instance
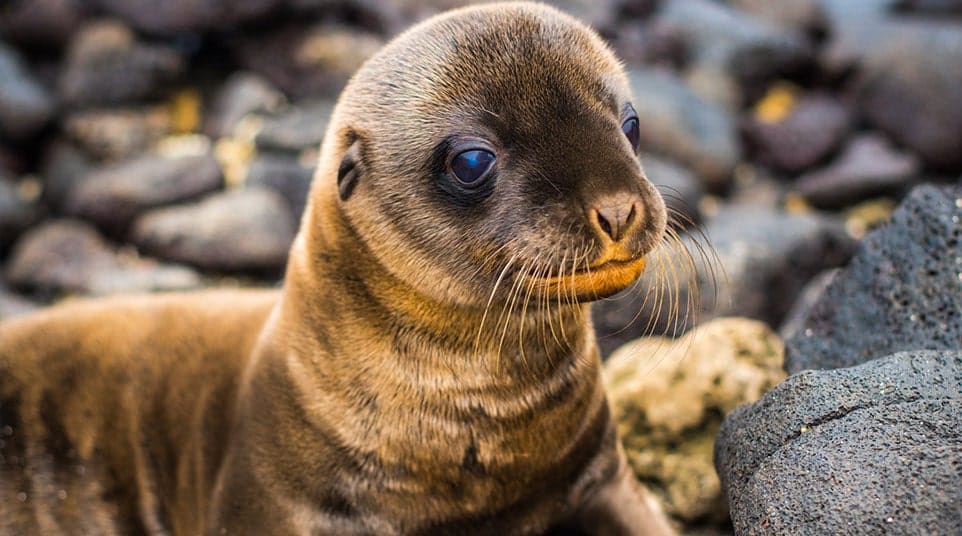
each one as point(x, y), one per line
point(901, 291)
point(230, 231)
point(62, 167)
point(871, 449)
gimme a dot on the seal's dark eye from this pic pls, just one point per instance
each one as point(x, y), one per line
point(471, 166)
point(630, 128)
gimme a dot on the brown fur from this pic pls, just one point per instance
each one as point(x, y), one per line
point(429, 366)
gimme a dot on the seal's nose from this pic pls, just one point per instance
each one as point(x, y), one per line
point(615, 216)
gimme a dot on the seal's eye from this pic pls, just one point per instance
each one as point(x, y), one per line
point(471, 166)
point(630, 128)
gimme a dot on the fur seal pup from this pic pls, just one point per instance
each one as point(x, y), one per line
point(429, 365)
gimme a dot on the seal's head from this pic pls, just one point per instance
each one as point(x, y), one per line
point(491, 153)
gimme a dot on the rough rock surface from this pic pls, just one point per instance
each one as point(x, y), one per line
point(668, 397)
point(871, 449)
point(234, 230)
point(69, 256)
point(901, 291)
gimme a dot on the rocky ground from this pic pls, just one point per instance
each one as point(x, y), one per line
point(151, 146)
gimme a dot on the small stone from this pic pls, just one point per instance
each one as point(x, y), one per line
point(908, 88)
point(868, 167)
point(114, 196)
point(172, 18)
point(41, 23)
point(62, 168)
point(118, 133)
point(25, 105)
point(803, 15)
point(929, 7)
point(285, 175)
point(295, 129)
point(106, 65)
point(752, 51)
point(229, 231)
point(68, 256)
point(242, 94)
point(16, 213)
point(679, 125)
point(668, 397)
point(802, 135)
point(309, 61)
point(681, 190)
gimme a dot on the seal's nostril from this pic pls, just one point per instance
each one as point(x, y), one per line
point(614, 217)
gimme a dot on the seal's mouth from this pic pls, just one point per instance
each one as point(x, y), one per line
point(600, 280)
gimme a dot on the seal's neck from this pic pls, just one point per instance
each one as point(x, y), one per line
point(357, 306)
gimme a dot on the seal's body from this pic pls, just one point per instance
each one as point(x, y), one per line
point(429, 365)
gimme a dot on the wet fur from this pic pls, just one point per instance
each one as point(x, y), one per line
point(411, 377)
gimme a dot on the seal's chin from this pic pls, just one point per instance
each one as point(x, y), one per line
point(592, 283)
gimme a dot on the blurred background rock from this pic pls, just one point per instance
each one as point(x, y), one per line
point(169, 145)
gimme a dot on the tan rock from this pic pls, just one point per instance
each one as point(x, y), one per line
point(669, 397)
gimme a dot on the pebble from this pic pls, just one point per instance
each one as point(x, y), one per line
point(112, 197)
point(869, 166)
point(25, 104)
point(229, 231)
point(69, 256)
point(679, 125)
point(106, 65)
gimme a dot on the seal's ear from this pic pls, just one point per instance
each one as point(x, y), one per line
point(349, 172)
